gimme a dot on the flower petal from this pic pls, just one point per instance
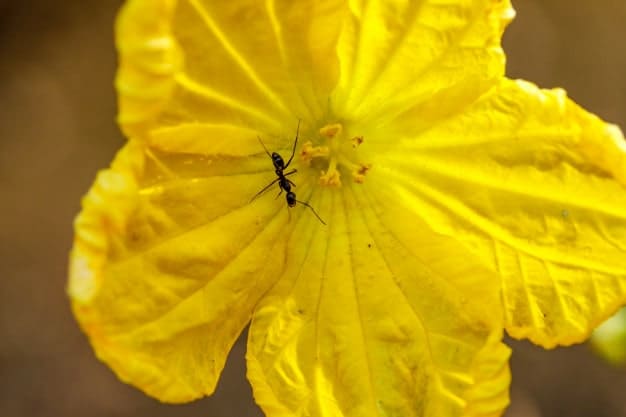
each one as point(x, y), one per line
point(380, 318)
point(166, 268)
point(536, 186)
point(257, 64)
point(609, 339)
point(399, 54)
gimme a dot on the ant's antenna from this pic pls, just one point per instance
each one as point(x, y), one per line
point(262, 144)
point(295, 142)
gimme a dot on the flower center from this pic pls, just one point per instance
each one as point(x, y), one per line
point(340, 150)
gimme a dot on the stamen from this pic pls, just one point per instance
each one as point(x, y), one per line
point(309, 152)
point(338, 152)
point(358, 170)
point(331, 177)
point(332, 130)
point(359, 174)
point(356, 141)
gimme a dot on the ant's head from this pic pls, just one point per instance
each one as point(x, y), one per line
point(291, 199)
point(277, 160)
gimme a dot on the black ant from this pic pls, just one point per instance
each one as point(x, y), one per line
point(285, 183)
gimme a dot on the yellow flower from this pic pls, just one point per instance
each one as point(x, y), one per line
point(457, 203)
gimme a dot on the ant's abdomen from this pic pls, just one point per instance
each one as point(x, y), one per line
point(291, 199)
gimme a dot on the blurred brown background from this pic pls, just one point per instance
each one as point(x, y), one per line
point(57, 109)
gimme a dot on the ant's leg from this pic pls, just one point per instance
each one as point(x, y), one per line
point(313, 210)
point(293, 171)
point(293, 151)
point(279, 193)
point(267, 187)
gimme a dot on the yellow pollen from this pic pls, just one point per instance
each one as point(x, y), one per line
point(339, 150)
point(356, 141)
point(359, 174)
point(331, 177)
point(309, 152)
point(332, 130)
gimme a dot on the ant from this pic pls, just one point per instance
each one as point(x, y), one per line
point(285, 183)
